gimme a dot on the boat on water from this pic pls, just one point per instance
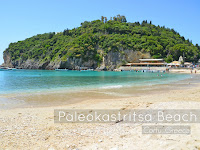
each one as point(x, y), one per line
point(88, 70)
point(3, 68)
point(13, 69)
point(7, 69)
point(61, 69)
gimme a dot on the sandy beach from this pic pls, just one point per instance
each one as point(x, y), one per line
point(34, 128)
point(184, 70)
point(99, 75)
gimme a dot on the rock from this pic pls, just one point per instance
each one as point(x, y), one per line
point(114, 148)
point(110, 62)
point(100, 140)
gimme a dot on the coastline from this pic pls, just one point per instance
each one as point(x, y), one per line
point(80, 75)
point(65, 96)
point(36, 129)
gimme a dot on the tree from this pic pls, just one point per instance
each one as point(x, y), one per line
point(113, 35)
point(169, 59)
point(105, 19)
point(124, 19)
point(66, 32)
point(51, 35)
point(102, 18)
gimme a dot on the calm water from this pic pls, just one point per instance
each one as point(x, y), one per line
point(23, 81)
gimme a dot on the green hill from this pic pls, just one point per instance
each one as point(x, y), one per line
point(100, 42)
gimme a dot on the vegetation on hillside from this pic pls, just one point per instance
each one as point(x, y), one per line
point(93, 40)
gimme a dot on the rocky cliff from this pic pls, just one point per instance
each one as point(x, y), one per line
point(110, 61)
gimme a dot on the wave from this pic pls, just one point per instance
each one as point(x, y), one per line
point(111, 87)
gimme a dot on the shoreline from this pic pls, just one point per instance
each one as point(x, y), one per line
point(36, 129)
point(65, 97)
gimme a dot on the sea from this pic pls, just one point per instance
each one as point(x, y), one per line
point(17, 86)
point(27, 81)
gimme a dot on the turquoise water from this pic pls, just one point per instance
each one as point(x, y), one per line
point(23, 81)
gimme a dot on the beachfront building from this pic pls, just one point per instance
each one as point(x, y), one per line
point(178, 64)
point(146, 64)
point(174, 64)
point(188, 64)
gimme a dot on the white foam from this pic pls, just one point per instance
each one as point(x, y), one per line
point(112, 87)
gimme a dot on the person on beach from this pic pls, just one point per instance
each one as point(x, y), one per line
point(191, 71)
point(195, 71)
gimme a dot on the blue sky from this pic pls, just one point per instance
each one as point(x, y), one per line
point(20, 19)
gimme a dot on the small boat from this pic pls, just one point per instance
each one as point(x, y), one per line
point(7, 69)
point(61, 69)
point(88, 70)
point(3, 68)
point(13, 69)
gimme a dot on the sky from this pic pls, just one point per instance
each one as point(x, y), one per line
point(21, 19)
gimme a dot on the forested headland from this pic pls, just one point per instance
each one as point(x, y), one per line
point(108, 41)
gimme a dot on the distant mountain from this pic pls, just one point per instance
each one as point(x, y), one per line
point(100, 43)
